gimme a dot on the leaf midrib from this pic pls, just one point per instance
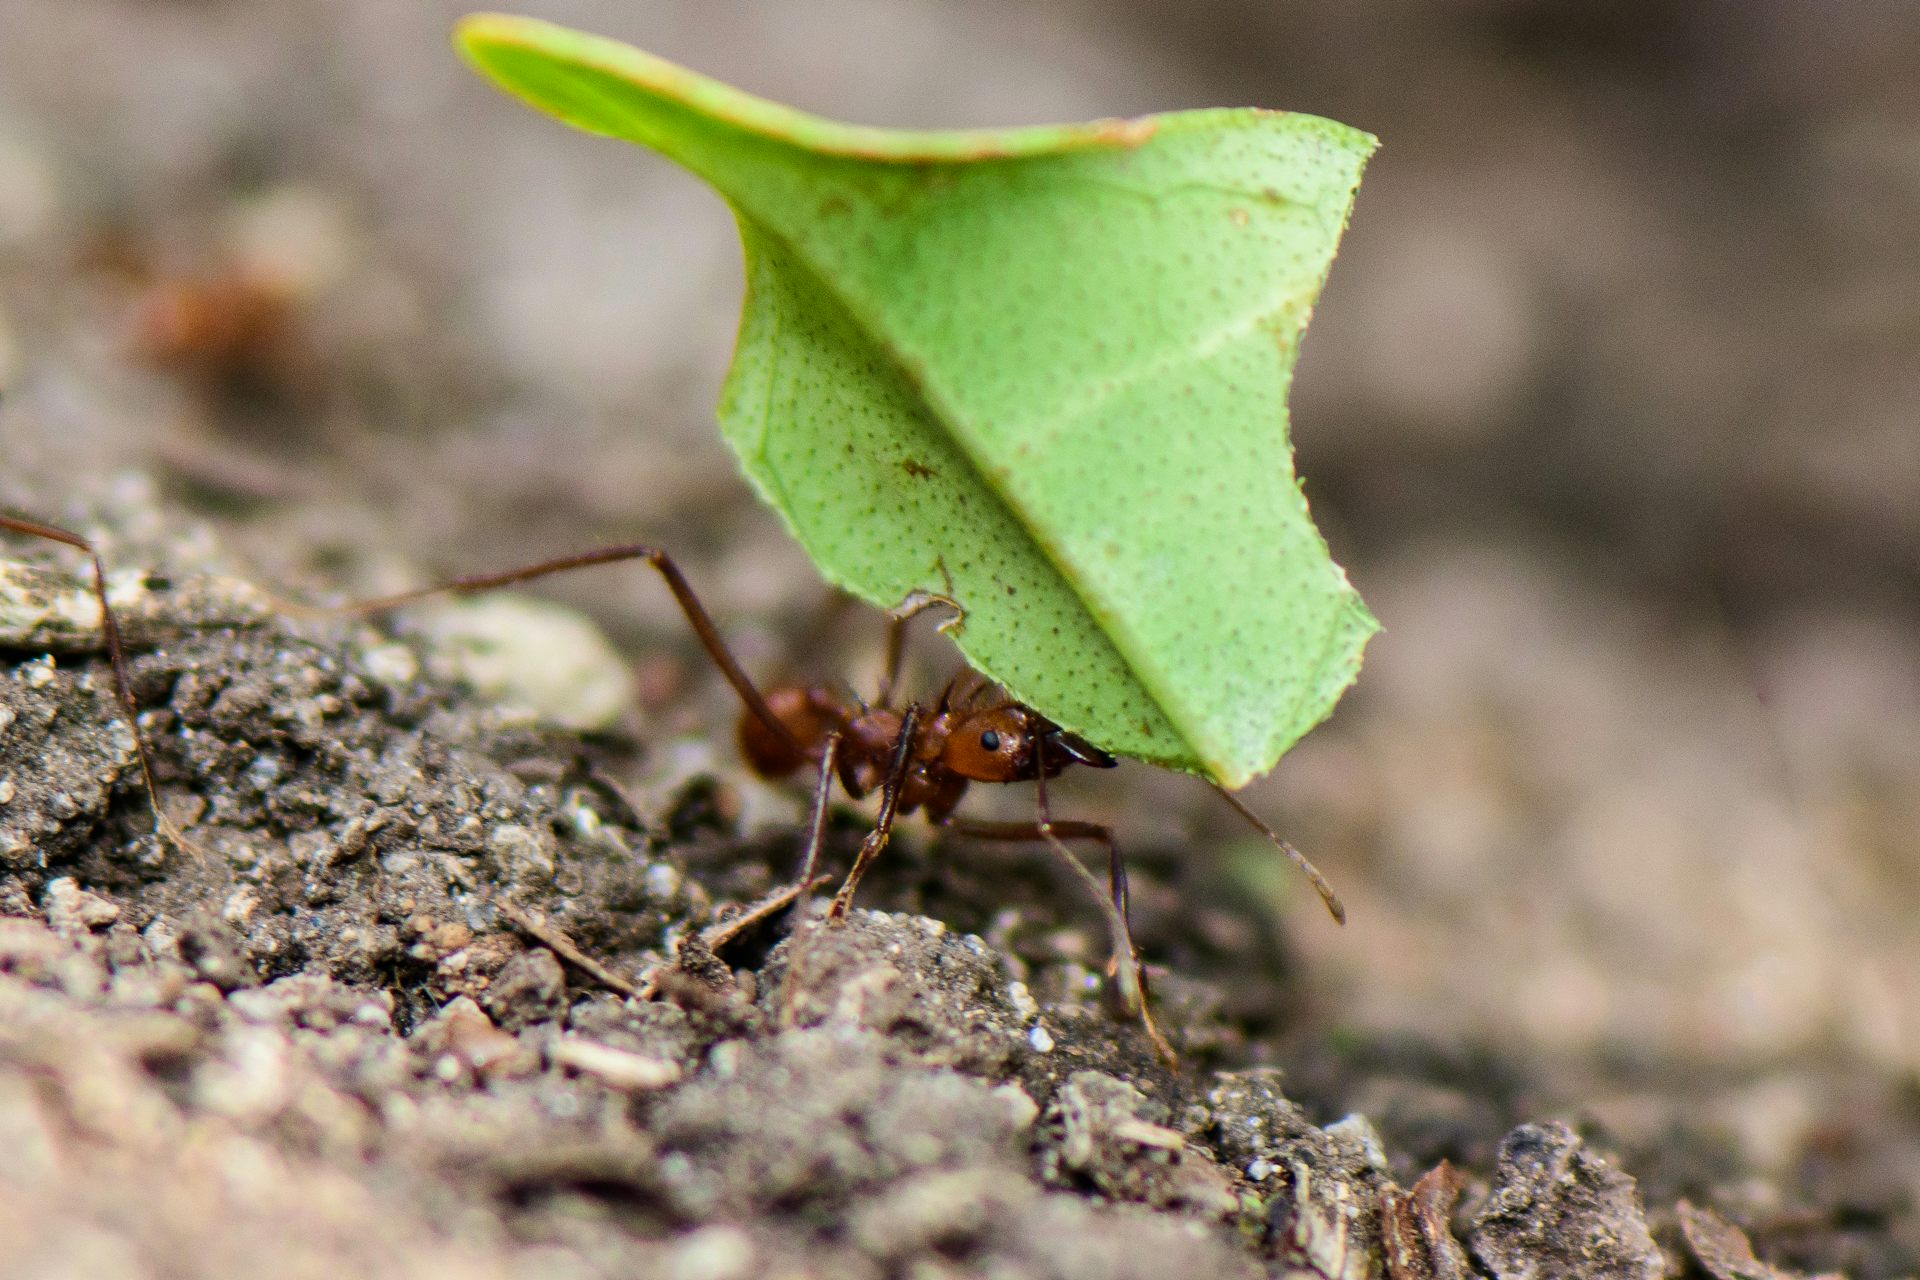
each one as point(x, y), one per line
point(944, 414)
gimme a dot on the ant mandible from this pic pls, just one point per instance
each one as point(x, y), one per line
point(918, 757)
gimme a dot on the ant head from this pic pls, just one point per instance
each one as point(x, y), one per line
point(1007, 744)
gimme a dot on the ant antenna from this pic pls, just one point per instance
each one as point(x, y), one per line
point(1300, 860)
point(116, 658)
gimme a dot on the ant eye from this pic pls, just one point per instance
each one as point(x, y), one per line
point(989, 741)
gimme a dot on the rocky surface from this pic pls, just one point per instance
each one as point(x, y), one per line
point(1607, 410)
point(420, 990)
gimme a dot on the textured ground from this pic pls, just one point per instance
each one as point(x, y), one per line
point(1608, 410)
point(427, 987)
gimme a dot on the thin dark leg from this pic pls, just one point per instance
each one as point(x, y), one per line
point(718, 935)
point(1062, 829)
point(897, 645)
point(1126, 970)
point(721, 933)
point(116, 657)
point(1116, 868)
point(683, 594)
point(1050, 835)
point(896, 656)
point(1050, 830)
point(817, 822)
point(1300, 860)
point(889, 805)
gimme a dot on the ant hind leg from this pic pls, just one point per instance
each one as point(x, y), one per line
point(695, 612)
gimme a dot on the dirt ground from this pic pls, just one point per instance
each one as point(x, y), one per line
point(1608, 412)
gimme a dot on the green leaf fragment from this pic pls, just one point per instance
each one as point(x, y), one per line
point(1040, 372)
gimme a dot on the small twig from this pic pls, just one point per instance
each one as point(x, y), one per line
point(561, 945)
point(718, 934)
point(722, 932)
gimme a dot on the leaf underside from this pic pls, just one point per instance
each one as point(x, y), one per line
point(1039, 372)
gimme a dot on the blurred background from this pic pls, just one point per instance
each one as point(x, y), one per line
point(1609, 409)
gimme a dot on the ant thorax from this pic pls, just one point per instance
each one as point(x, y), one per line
point(950, 747)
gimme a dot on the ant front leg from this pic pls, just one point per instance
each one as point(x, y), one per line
point(896, 652)
point(1124, 967)
point(696, 614)
point(116, 658)
point(1052, 832)
point(896, 657)
point(1061, 829)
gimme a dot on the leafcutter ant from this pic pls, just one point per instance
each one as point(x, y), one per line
point(917, 756)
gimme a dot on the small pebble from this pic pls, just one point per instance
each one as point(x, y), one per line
point(71, 909)
point(712, 1253)
point(616, 1068)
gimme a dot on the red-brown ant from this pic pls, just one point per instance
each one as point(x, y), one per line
point(917, 757)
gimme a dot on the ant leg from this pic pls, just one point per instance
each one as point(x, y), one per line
point(817, 823)
point(897, 621)
point(1116, 869)
point(696, 614)
point(889, 806)
point(896, 655)
point(1125, 966)
point(1300, 860)
point(116, 658)
point(1062, 829)
point(718, 935)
